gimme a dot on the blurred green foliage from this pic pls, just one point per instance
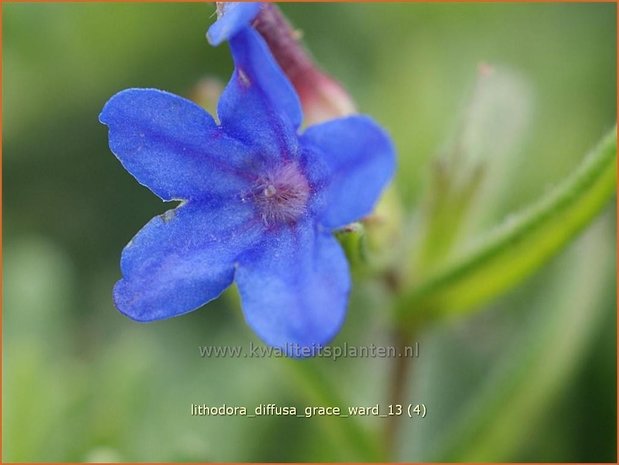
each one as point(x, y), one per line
point(532, 377)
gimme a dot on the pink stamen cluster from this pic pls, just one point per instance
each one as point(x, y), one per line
point(281, 195)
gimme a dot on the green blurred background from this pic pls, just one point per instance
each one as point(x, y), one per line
point(529, 377)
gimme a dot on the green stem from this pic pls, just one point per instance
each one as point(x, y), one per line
point(347, 432)
point(400, 373)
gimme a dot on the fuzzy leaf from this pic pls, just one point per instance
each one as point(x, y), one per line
point(521, 245)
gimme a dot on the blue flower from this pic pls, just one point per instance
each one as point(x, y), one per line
point(259, 202)
point(233, 17)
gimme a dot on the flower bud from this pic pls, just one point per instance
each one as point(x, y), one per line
point(322, 97)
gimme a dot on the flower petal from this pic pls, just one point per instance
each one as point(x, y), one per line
point(361, 161)
point(235, 16)
point(294, 288)
point(259, 105)
point(183, 259)
point(172, 146)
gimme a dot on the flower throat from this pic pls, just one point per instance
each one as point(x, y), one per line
point(281, 195)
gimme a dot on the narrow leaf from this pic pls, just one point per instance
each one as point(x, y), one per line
point(521, 245)
point(516, 395)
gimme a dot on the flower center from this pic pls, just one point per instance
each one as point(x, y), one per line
point(281, 195)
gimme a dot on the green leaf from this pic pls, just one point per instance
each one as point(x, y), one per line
point(518, 391)
point(517, 248)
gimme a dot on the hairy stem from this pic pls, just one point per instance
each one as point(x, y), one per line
point(400, 374)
